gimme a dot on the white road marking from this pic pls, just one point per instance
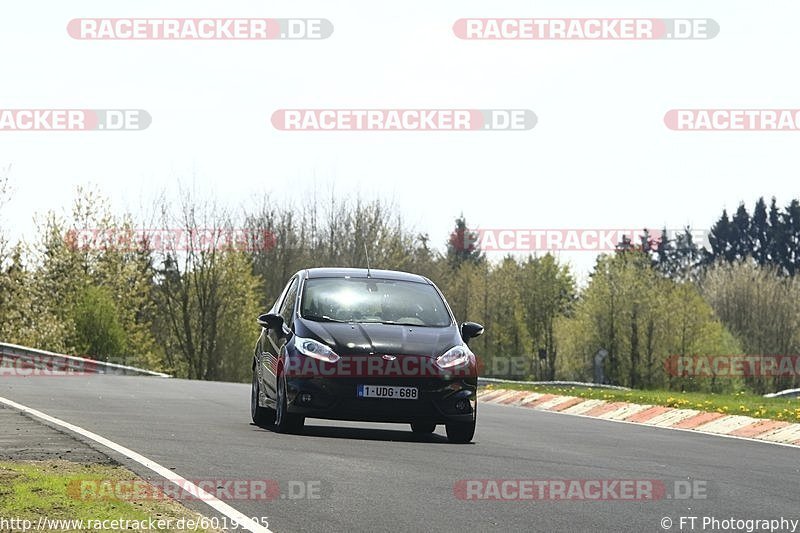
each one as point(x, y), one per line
point(670, 418)
point(625, 411)
point(790, 433)
point(584, 406)
point(726, 424)
point(532, 397)
point(218, 505)
point(552, 402)
point(506, 395)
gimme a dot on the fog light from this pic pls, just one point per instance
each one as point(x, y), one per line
point(305, 397)
point(462, 405)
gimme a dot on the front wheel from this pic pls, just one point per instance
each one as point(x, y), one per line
point(460, 432)
point(262, 416)
point(286, 422)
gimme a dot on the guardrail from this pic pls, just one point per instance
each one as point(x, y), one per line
point(791, 393)
point(32, 359)
point(485, 381)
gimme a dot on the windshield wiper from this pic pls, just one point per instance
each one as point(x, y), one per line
point(324, 318)
point(394, 323)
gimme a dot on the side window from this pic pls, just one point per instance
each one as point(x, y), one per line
point(287, 307)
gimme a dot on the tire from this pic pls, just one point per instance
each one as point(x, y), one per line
point(262, 416)
point(460, 432)
point(286, 422)
point(422, 427)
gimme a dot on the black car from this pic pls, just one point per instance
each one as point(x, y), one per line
point(373, 346)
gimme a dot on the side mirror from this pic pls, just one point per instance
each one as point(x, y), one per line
point(470, 330)
point(271, 321)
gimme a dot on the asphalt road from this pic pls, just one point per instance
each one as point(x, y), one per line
point(379, 477)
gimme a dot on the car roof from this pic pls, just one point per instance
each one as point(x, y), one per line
point(339, 272)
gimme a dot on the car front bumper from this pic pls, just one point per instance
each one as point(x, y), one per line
point(440, 400)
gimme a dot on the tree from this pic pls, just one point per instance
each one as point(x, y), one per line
point(306, 236)
point(661, 254)
point(776, 248)
point(761, 308)
point(462, 245)
point(190, 309)
point(769, 237)
point(721, 239)
point(640, 318)
point(208, 296)
point(86, 297)
point(791, 234)
point(548, 291)
point(760, 233)
point(741, 234)
point(26, 311)
point(5, 197)
point(678, 258)
point(98, 330)
point(510, 337)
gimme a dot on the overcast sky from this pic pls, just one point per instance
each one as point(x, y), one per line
point(600, 155)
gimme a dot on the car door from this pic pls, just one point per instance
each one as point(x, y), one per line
point(275, 343)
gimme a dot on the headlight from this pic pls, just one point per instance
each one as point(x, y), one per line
point(457, 355)
point(315, 349)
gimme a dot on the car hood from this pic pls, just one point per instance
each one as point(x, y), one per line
point(355, 338)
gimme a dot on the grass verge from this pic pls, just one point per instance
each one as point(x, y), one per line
point(30, 490)
point(739, 403)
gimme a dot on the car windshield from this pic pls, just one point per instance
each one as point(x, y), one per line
point(368, 300)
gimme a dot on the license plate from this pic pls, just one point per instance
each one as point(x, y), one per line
point(392, 393)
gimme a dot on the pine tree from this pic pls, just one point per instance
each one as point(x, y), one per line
point(791, 223)
point(720, 239)
point(759, 233)
point(776, 237)
point(662, 252)
point(462, 246)
point(740, 233)
point(685, 256)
